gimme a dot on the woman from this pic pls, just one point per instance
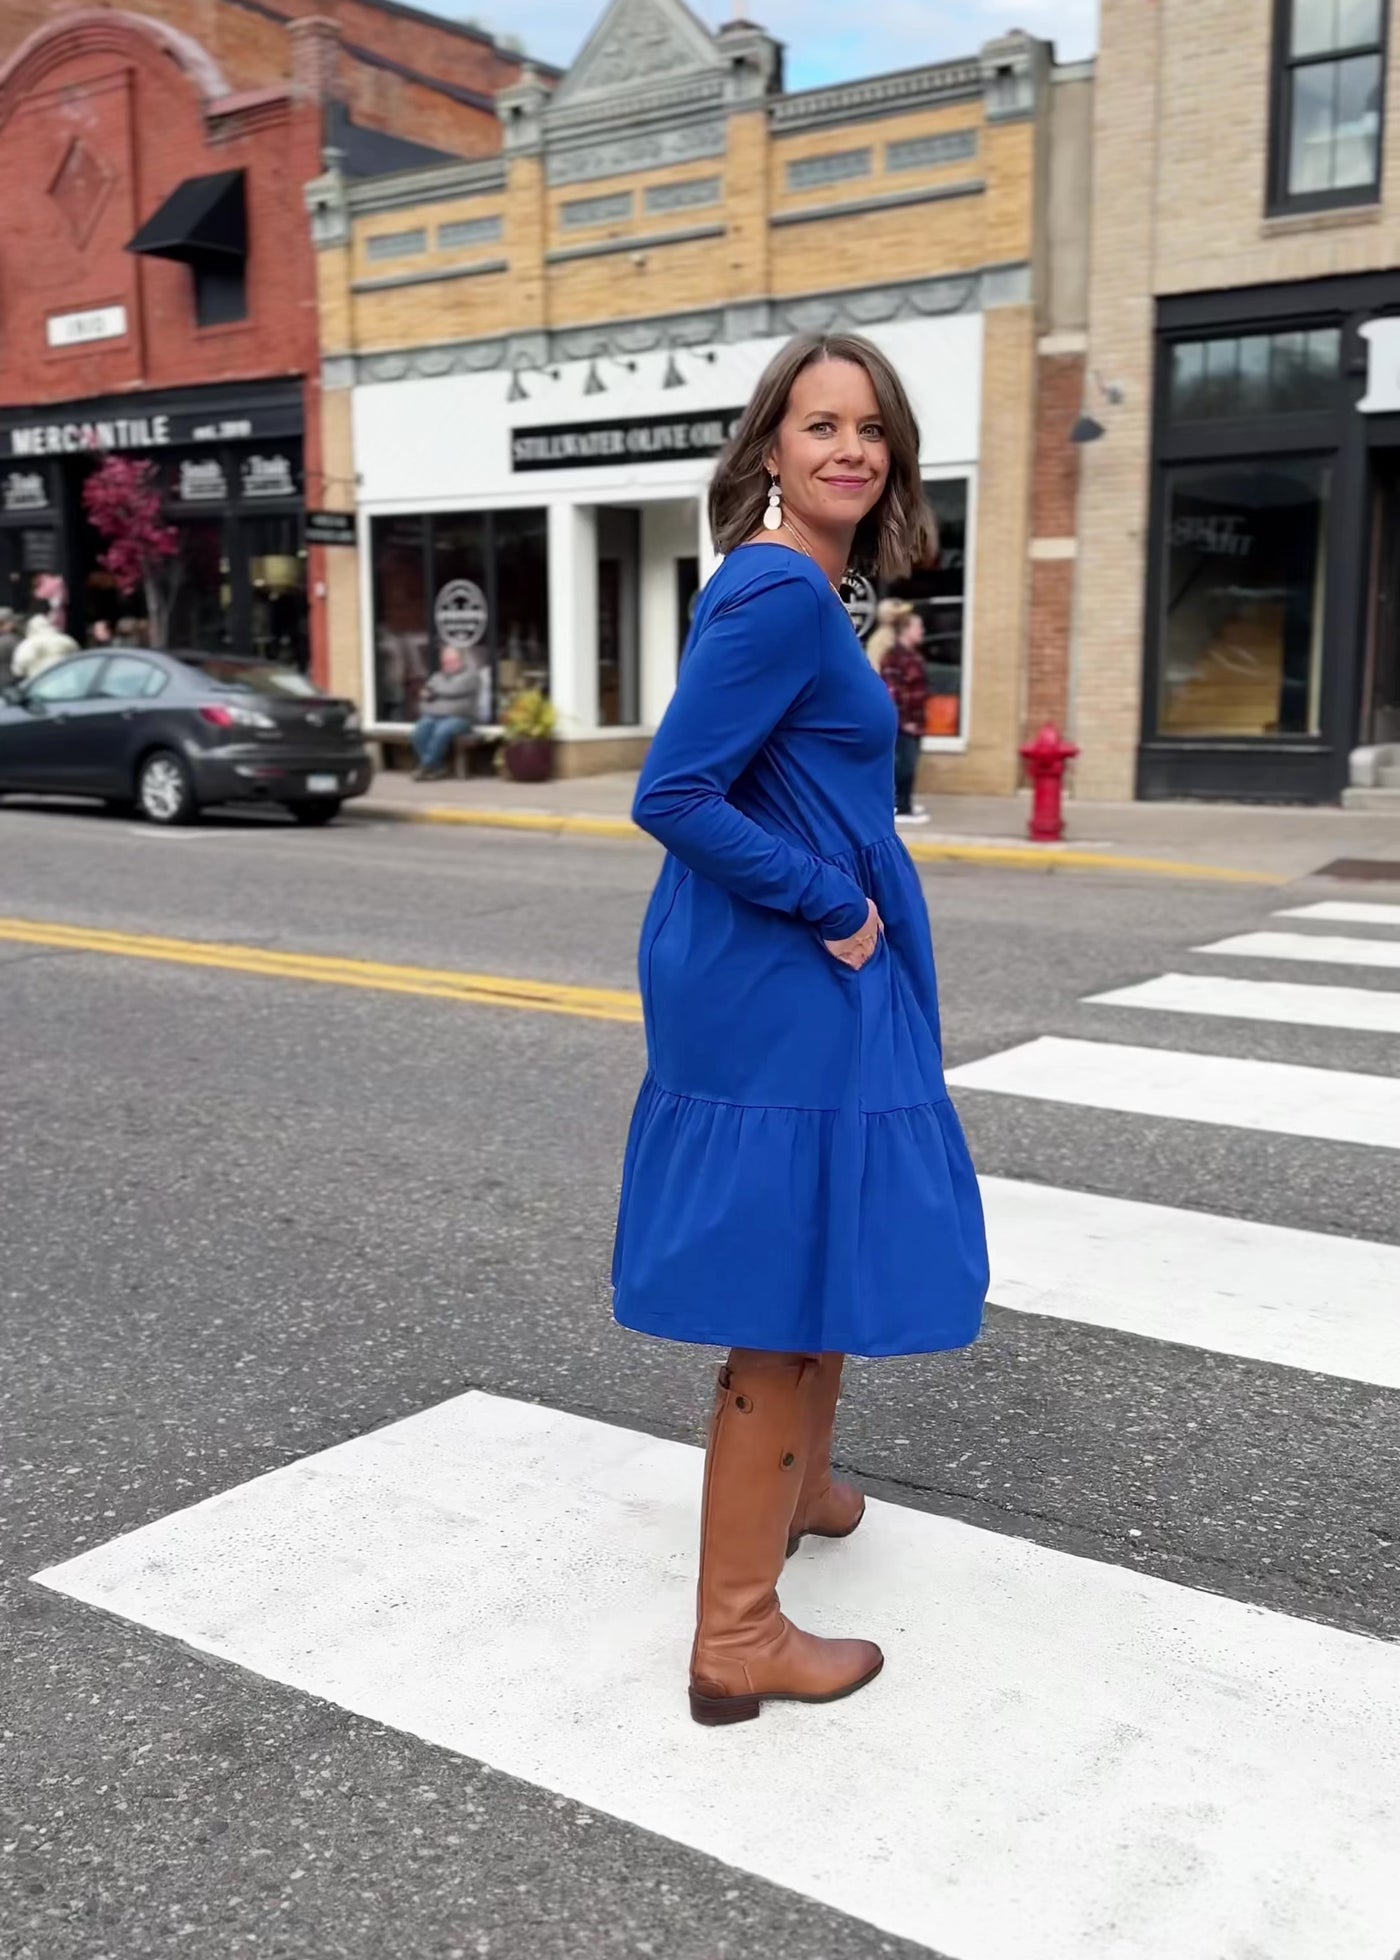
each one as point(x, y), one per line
point(890, 615)
point(796, 1185)
point(904, 674)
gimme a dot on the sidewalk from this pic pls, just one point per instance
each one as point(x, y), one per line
point(1228, 841)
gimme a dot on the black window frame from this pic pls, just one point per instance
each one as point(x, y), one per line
point(1281, 202)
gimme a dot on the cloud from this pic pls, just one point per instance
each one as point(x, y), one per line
point(827, 40)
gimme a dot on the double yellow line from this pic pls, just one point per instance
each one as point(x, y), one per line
point(433, 983)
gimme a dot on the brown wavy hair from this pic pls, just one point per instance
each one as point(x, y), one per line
point(900, 531)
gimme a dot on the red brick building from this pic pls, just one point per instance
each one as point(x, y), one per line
point(157, 280)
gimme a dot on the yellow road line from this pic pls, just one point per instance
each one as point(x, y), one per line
point(480, 989)
point(1019, 857)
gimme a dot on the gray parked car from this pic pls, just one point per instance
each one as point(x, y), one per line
point(169, 733)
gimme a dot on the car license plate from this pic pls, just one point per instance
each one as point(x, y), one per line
point(322, 785)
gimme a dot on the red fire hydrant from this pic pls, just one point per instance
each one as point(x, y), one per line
point(1045, 760)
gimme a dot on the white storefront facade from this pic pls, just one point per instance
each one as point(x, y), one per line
point(559, 537)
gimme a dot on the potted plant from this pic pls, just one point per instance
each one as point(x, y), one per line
point(529, 723)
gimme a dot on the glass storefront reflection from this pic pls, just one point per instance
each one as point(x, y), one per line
point(476, 580)
point(1243, 596)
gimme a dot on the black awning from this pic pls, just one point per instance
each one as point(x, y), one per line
point(204, 219)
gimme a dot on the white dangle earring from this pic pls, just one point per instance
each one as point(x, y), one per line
point(773, 516)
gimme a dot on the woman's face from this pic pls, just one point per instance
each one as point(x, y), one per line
point(912, 632)
point(830, 455)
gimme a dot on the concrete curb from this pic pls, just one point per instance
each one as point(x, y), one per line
point(1016, 857)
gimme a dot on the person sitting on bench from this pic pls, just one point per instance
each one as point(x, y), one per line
point(444, 713)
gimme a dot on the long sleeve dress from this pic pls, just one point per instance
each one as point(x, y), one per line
point(795, 1178)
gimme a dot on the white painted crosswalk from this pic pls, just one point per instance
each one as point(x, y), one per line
point(1358, 1008)
point(1277, 1096)
point(1317, 949)
point(1122, 1764)
point(1293, 1299)
point(1344, 912)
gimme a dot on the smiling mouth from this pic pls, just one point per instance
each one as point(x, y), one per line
point(847, 482)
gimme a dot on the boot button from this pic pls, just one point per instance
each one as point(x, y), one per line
point(789, 1460)
point(742, 1404)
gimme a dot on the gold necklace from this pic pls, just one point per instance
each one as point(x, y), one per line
point(803, 545)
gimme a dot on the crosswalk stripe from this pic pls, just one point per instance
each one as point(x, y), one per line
point(1344, 912)
point(1358, 1008)
point(1322, 949)
point(1055, 1742)
point(1267, 1292)
point(1248, 1095)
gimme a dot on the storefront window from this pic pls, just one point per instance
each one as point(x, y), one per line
point(476, 580)
point(277, 578)
point(1255, 374)
point(1243, 594)
point(400, 615)
point(461, 596)
point(199, 589)
point(938, 594)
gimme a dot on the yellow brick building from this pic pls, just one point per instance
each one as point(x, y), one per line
point(1238, 604)
point(530, 362)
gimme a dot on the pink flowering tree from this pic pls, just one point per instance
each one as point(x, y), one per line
point(123, 504)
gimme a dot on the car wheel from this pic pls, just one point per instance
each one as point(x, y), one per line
point(317, 811)
point(164, 791)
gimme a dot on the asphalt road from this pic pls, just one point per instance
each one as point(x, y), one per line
point(249, 1217)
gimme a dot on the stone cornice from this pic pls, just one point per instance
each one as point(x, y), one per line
point(879, 95)
point(852, 310)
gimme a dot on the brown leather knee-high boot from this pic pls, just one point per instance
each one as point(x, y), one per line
point(745, 1651)
point(827, 1508)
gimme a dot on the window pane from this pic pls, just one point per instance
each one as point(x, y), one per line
point(1314, 26)
point(1310, 129)
point(460, 617)
point(1356, 146)
point(1253, 394)
point(277, 577)
point(1188, 375)
point(66, 683)
point(127, 679)
point(199, 610)
point(1358, 23)
point(1243, 600)
point(522, 601)
point(937, 592)
point(1219, 393)
point(400, 616)
point(1320, 26)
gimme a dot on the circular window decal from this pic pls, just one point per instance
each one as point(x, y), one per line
point(858, 597)
point(459, 613)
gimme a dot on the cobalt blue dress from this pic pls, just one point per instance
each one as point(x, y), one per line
point(796, 1177)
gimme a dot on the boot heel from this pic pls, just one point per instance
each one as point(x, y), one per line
point(714, 1711)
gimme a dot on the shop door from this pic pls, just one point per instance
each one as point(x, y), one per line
point(1380, 713)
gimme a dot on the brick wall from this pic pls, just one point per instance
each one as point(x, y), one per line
point(254, 50)
point(1113, 480)
point(145, 126)
point(1181, 151)
point(1054, 519)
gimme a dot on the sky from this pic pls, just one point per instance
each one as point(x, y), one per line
point(827, 40)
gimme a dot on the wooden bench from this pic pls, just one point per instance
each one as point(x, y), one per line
point(472, 755)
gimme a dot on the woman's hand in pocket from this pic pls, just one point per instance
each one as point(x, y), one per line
point(860, 947)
